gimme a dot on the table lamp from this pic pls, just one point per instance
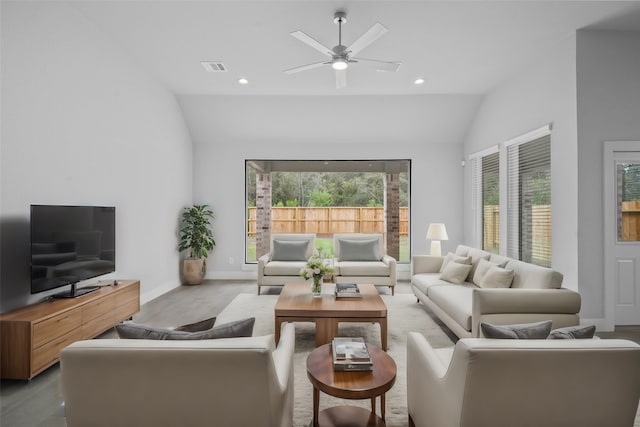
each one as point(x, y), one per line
point(436, 232)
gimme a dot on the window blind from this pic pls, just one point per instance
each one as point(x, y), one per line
point(484, 168)
point(529, 200)
point(491, 202)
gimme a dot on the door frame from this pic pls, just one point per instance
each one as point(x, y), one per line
point(610, 223)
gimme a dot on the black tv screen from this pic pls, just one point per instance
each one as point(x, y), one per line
point(70, 244)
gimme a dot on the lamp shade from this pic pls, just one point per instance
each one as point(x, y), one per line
point(437, 231)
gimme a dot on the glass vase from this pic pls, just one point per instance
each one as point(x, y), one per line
point(316, 287)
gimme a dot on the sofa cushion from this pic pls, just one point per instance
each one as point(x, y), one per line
point(289, 250)
point(497, 277)
point(499, 259)
point(201, 325)
point(573, 332)
point(476, 255)
point(526, 275)
point(537, 330)
point(363, 268)
point(283, 268)
point(451, 257)
point(239, 328)
point(423, 281)
point(359, 250)
point(456, 300)
point(481, 270)
point(455, 272)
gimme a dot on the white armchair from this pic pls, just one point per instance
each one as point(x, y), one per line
point(149, 383)
point(504, 383)
point(288, 254)
point(362, 258)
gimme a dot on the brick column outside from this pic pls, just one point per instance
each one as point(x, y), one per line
point(263, 213)
point(392, 213)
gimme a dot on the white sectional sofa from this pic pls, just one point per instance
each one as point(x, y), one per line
point(362, 258)
point(533, 294)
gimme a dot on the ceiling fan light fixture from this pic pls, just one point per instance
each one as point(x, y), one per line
point(339, 64)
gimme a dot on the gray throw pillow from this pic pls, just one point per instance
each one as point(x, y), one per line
point(239, 328)
point(359, 250)
point(201, 325)
point(573, 332)
point(524, 331)
point(289, 250)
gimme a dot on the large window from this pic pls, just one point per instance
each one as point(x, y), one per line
point(529, 198)
point(328, 197)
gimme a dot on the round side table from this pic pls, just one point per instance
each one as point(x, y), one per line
point(350, 385)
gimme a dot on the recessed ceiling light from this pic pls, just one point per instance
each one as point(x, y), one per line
point(243, 81)
point(418, 81)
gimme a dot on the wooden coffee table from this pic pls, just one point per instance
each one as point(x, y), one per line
point(350, 385)
point(297, 304)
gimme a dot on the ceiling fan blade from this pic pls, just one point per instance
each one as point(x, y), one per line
point(305, 67)
point(341, 79)
point(379, 65)
point(367, 38)
point(305, 38)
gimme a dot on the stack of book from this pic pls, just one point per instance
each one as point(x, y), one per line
point(350, 354)
point(347, 290)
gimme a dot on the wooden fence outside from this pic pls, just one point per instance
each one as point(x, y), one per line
point(326, 221)
point(630, 221)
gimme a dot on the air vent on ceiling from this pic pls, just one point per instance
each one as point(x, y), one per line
point(214, 66)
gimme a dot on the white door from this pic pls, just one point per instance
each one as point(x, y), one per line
point(622, 231)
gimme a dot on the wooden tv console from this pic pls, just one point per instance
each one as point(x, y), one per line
point(32, 337)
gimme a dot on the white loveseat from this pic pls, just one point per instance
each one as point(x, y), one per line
point(151, 383)
point(288, 254)
point(534, 294)
point(362, 258)
point(504, 383)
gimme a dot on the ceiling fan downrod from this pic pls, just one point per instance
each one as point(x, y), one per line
point(340, 61)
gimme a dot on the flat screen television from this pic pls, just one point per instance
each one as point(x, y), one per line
point(70, 244)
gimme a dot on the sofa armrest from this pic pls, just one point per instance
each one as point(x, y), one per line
point(426, 264)
point(283, 354)
point(552, 301)
point(434, 394)
point(393, 265)
point(262, 261)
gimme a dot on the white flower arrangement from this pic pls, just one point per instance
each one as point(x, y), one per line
point(315, 269)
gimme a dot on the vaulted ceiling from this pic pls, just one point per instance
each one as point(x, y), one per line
point(457, 47)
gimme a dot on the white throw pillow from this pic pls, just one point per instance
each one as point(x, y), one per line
point(497, 277)
point(451, 257)
point(454, 272)
point(481, 270)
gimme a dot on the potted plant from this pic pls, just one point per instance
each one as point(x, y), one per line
point(197, 238)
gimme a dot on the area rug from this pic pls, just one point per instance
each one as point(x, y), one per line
point(404, 315)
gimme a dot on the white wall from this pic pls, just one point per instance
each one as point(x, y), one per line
point(226, 130)
point(544, 93)
point(608, 82)
point(81, 124)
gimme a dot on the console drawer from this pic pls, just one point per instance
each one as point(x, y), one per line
point(49, 354)
point(56, 326)
point(98, 307)
point(98, 325)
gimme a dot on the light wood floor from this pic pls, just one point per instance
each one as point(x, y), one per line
point(36, 403)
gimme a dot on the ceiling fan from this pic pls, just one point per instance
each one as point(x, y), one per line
point(342, 56)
